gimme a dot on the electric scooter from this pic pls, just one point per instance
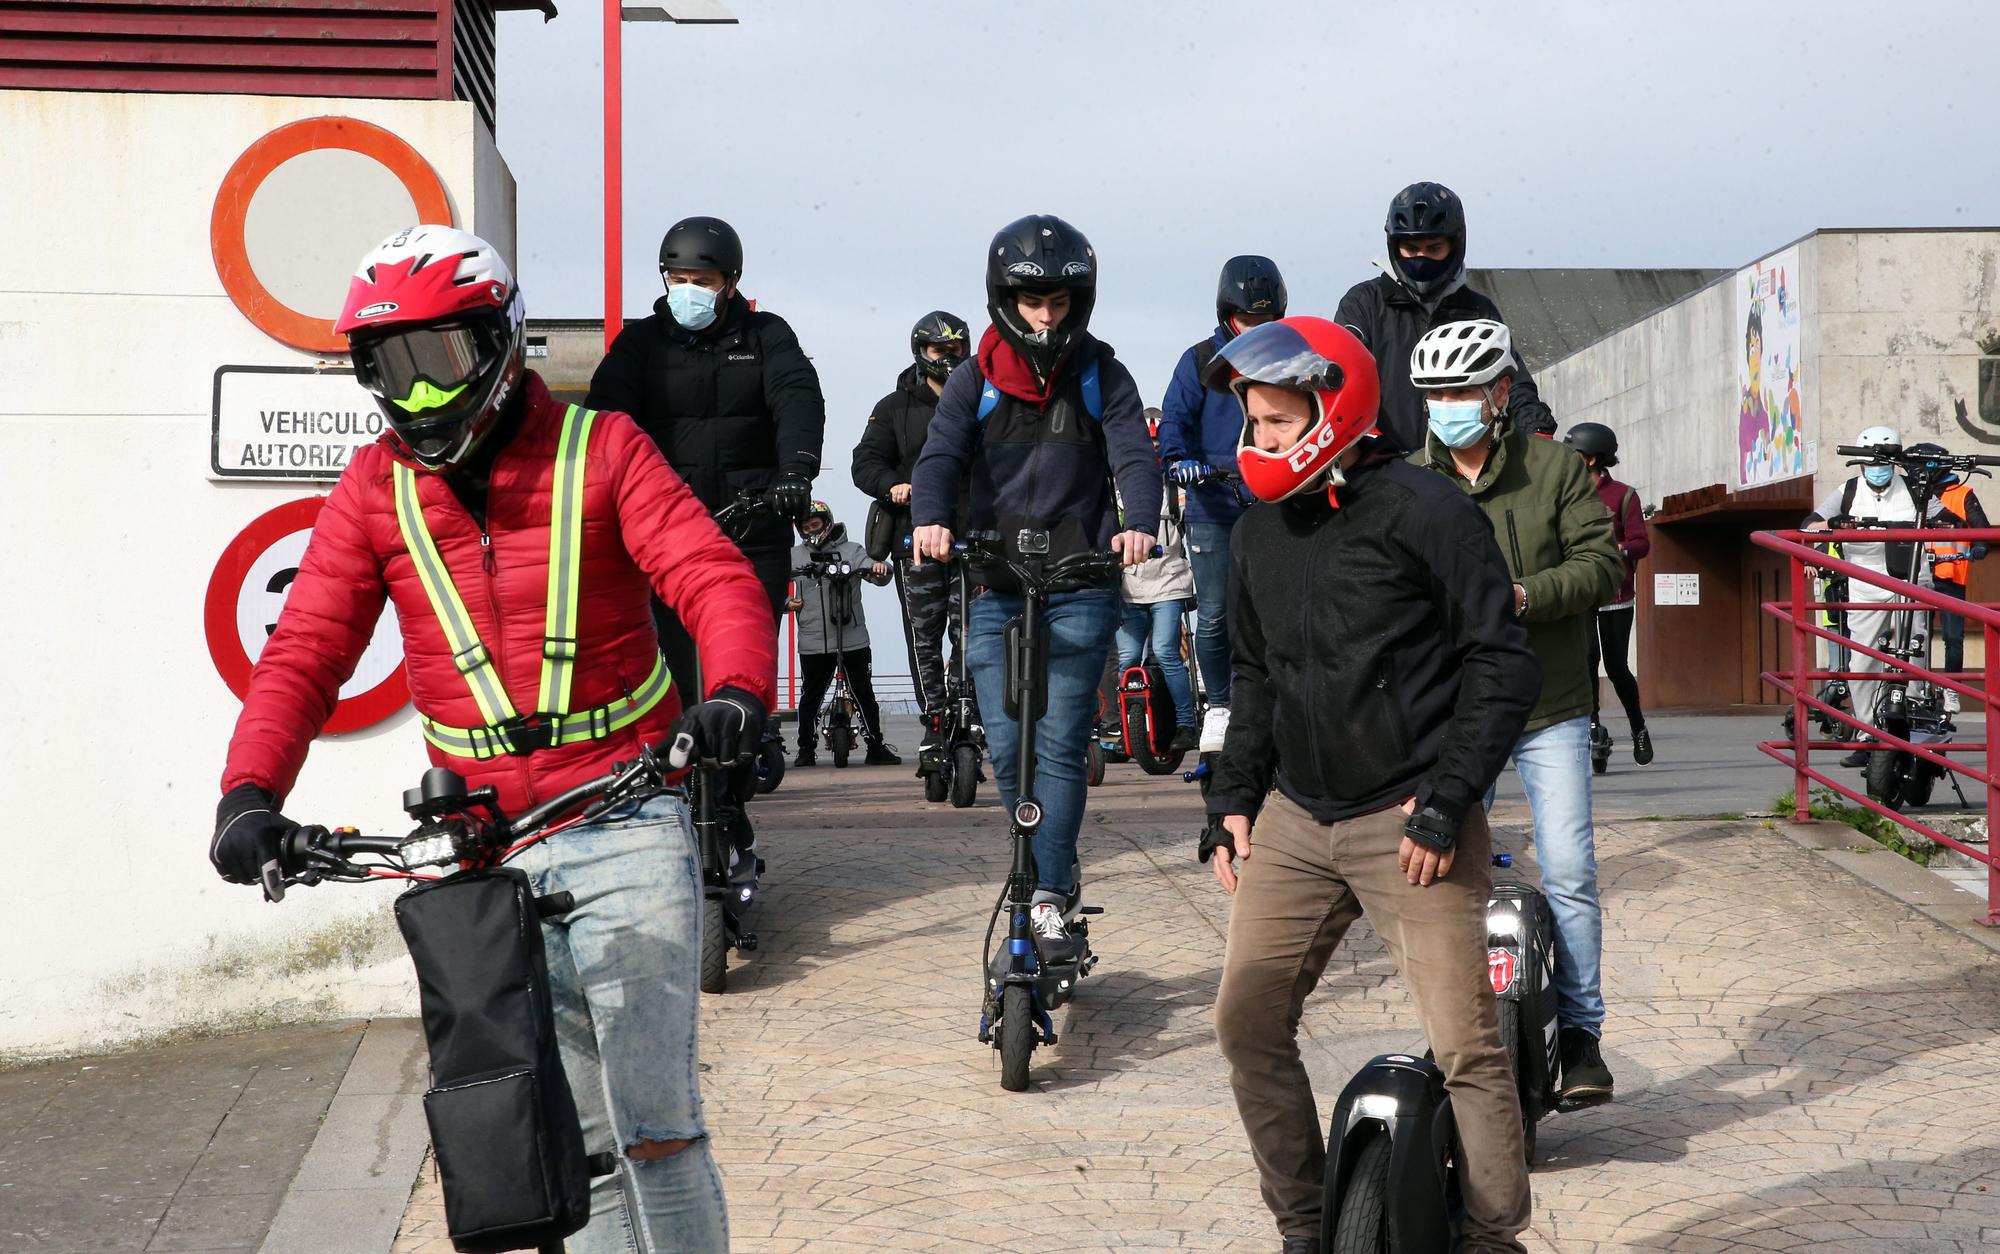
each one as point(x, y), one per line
point(733, 519)
point(729, 881)
point(1020, 986)
point(952, 770)
point(1392, 1143)
point(1906, 707)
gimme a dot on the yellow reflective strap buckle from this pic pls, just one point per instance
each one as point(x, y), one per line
point(470, 658)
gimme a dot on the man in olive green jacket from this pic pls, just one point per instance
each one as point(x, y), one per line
point(1557, 538)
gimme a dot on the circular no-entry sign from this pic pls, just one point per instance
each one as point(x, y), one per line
point(248, 589)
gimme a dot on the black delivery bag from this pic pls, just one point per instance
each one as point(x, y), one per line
point(503, 1120)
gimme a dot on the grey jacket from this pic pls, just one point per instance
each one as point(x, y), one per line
point(830, 614)
point(1167, 577)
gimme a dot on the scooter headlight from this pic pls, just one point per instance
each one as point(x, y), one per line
point(1504, 922)
point(1376, 1105)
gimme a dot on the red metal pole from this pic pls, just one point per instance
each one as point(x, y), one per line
point(1987, 642)
point(792, 652)
point(614, 172)
point(1803, 645)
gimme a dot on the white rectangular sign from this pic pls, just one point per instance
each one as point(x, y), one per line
point(288, 422)
point(1676, 590)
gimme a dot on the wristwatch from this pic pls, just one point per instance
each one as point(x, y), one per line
point(1520, 599)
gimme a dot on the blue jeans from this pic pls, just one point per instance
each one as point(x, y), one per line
point(1162, 620)
point(624, 969)
point(1077, 633)
point(1554, 766)
point(1208, 553)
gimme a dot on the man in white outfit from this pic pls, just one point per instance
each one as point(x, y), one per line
point(1877, 495)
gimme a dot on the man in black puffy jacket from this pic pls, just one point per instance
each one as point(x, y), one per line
point(727, 394)
point(884, 463)
point(1422, 284)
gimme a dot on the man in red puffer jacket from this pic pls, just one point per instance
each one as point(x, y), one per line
point(528, 683)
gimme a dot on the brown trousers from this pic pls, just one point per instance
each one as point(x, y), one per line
point(1304, 884)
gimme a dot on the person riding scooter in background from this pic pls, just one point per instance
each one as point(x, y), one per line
point(1557, 537)
point(1381, 721)
point(1951, 560)
point(1156, 593)
point(1612, 644)
point(1199, 430)
point(1877, 495)
point(833, 632)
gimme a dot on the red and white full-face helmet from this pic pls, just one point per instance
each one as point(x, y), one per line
point(1327, 363)
point(435, 324)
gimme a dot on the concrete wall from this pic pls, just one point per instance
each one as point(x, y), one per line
point(112, 322)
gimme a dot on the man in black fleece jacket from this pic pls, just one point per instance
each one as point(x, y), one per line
point(1380, 681)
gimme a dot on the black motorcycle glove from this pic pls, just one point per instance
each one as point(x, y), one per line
point(792, 495)
point(1215, 837)
point(727, 727)
point(1432, 829)
point(248, 833)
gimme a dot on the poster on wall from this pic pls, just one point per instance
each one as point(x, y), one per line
point(1770, 423)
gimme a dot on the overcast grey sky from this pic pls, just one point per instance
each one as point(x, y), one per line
point(866, 151)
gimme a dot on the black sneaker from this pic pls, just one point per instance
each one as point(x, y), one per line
point(1300, 1245)
point(806, 756)
point(1642, 747)
point(881, 754)
point(1185, 738)
point(1856, 760)
point(1585, 1078)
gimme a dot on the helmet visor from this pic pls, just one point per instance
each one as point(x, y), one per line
point(1277, 354)
point(420, 369)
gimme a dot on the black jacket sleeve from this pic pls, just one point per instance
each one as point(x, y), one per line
point(876, 456)
point(1360, 312)
point(948, 450)
point(1499, 679)
point(1975, 516)
point(1249, 758)
point(619, 385)
point(1524, 401)
point(1134, 464)
point(792, 393)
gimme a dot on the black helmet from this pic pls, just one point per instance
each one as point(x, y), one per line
point(1040, 253)
point(1250, 285)
point(1597, 440)
point(943, 329)
point(1418, 211)
point(702, 244)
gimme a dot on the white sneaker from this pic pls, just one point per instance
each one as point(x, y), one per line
point(1052, 938)
point(1950, 701)
point(1214, 726)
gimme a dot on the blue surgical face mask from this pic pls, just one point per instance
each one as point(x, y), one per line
point(1878, 476)
point(1457, 424)
point(692, 305)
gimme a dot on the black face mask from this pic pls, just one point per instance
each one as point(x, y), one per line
point(1424, 269)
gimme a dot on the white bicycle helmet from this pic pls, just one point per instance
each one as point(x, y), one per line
point(1462, 354)
point(1875, 436)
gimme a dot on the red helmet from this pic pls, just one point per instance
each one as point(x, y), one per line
point(434, 323)
point(1325, 361)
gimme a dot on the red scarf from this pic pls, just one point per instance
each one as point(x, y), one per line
point(1004, 367)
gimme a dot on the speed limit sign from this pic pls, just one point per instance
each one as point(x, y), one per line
point(248, 589)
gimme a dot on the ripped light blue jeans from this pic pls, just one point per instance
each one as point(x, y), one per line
point(624, 971)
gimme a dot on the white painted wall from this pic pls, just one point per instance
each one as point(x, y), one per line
point(1893, 321)
point(112, 322)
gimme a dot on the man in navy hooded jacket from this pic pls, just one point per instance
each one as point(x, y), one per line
point(1199, 431)
point(1042, 419)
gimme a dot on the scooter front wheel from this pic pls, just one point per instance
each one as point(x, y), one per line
point(936, 785)
point(964, 775)
point(841, 741)
point(714, 947)
point(1017, 1036)
point(1364, 1208)
point(770, 766)
point(1093, 763)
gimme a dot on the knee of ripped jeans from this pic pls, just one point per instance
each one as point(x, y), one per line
point(645, 1149)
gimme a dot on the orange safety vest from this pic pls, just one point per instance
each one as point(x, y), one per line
point(1952, 561)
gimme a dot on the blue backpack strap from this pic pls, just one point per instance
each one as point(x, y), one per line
point(989, 400)
point(1093, 392)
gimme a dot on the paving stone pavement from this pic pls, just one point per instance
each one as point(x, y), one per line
point(1803, 1063)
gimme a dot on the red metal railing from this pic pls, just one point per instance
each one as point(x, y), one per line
point(1799, 613)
